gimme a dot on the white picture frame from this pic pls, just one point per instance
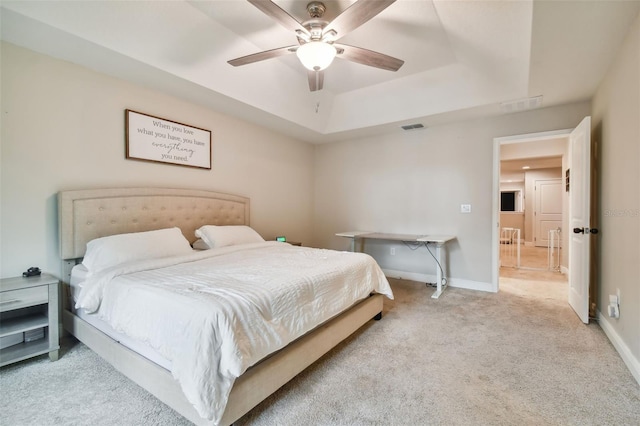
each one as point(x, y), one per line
point(158, 140)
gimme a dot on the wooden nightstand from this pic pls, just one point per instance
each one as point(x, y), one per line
point(28, 308)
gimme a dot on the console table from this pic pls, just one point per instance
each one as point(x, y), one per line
point(439, 241)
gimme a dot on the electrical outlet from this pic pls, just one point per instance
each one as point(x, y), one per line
point(393, 251)
point(465, 208)
point(614, 305)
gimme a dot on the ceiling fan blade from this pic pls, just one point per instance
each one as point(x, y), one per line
point(261, 56)
point(274, 11)
point(368, 57)
point(316, 80)
point(355, 15)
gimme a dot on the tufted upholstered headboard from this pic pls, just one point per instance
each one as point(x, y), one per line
point(92, 213)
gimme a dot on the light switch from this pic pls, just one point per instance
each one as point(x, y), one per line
point(465, 208)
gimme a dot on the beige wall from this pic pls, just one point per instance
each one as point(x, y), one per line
point(414, 182)
point(63, 128)
point(513, 220)
point(616, 126)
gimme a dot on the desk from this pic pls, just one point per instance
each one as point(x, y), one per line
point(439, 240)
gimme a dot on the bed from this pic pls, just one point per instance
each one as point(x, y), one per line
point(86, 216)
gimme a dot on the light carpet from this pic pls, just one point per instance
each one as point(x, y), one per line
point(519, 357)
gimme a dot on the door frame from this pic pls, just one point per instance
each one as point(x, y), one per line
point(497, 142)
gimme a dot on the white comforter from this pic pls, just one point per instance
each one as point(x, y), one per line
point(215, 313)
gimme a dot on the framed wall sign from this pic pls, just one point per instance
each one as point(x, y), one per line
point(149, 138)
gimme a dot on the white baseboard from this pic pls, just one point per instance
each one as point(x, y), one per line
point(412, 276)
point(633, 364)
point(427, 278)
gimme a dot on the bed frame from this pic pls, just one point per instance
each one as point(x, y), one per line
point(88, 214)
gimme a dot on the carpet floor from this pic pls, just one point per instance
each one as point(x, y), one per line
point(518, 357)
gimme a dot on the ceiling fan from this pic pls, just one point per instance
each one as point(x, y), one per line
point(317, 38)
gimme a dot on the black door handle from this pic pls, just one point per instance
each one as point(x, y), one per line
point(585, 230)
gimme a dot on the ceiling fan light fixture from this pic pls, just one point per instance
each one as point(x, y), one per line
point(316, 55)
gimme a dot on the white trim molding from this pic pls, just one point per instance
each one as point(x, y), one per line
point(633, 364)
point(428, 278)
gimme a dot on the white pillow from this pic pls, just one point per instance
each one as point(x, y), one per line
point(105, 252)
point(221, 236)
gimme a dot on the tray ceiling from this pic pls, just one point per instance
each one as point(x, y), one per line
point(462, 58)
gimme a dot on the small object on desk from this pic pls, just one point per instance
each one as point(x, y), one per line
point(32, 272)
point(282, 239)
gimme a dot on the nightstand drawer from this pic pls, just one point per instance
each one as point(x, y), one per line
point(16, 299)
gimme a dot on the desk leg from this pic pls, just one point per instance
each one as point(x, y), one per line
point(439, 288)
point(354, 245)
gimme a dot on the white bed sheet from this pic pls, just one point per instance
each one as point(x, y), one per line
point(79, 273)
point(215, 313)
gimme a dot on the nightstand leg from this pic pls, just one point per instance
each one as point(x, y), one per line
point(53, 355)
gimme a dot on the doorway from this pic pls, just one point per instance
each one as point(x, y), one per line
point(577, 158)
point(530, 167)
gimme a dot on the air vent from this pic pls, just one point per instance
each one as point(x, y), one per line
point(413, 126)
point(521, 104)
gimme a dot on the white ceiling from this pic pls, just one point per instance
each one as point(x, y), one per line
point(545, 152)
point(531, 163)
point(462, 58)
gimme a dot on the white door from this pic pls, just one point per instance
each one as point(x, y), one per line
point(579, 217)
point(548, 209)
